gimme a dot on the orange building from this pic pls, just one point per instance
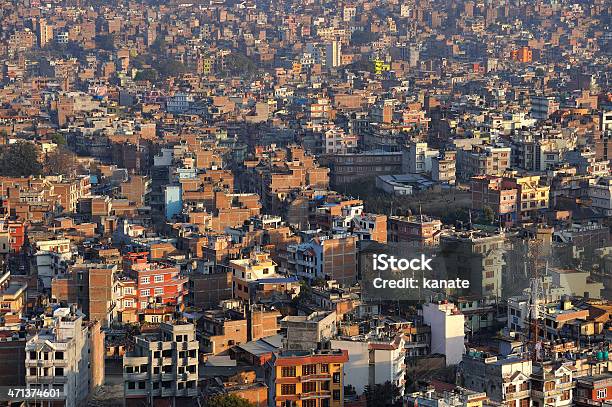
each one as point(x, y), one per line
point(308, 378)
point(523, 54)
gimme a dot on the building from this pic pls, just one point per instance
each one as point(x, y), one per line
point(489, 191)
point(447, 330)
point(600, 194)
point(443, 167)
point(505, 381)
point(594, 390)
point(552, 386)
point(307, 378)
point(13, 296)
point(482, 160)
point(347, 168)
point(543, 106)
point(422, 229)
point(532, 195)
point(67, 354)
point(162, 365)
point(158, 284)
point(373, 360)
point(418, 158)
point(476, 256)
point(306, 332)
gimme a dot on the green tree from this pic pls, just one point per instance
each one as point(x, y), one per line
point(61, 161)
point(148, 74)
point(105, 42)
point(169, 67)
point(383, 395)
point(227, 400)
point(363, 37)
point(489, 215)
point(58, 139)
point(19, 160)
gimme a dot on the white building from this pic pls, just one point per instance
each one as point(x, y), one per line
point(163, 364)
point(601, 195)
point(61, 357)
point(418, 158)
point(373, 360)
point(447, 330)
point(51, 259)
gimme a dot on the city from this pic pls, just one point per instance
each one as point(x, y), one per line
point(305, 203)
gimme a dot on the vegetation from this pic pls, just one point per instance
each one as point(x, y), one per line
point(61, 161)
point(383, 395)
point(363, 37)
point(227, 400)
point(19, 160)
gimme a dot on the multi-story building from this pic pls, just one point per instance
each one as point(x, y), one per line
point(531, 194)
point(373, 360)
point(305, 332)
point(443, 167)
point(505, 381)
point(447, 324)
point(347, 168)
point(488, 192)
point(482, 160)
point(552, 386)
point(595, 390)
point(418, 158)
point(158, 283)
point(307, 378)
point(600, 194)
point(163, 365)
point(476, 256)
point(66, 355)
point(422, 229)
point(12, 297)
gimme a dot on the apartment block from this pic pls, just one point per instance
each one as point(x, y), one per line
point(68, 355)
point(307, 378)
point(163, 365)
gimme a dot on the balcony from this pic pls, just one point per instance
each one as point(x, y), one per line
point(315, 395)
point(517, 395)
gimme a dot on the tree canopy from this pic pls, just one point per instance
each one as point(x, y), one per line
point(227, 400)
point(383, 395)
point(19, 160)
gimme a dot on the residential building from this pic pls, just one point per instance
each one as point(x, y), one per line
point(307, 378)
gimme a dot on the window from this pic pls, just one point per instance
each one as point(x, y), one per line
point(309, 403)
point(59, 355)
point(159, 278)
point(159, 291)
point(129, 290)
point(287, 389)
point(602, 393)
point(288, 371)
point(336, 377)
point(309, 369)
point(33, 371)
point(128, 303)
point(59, 371)
point(145, 293)
point(324, 368)
point(336, 394)
point(33, 355)
point(326, 385)
point(144, 280)
point(131, 385)
point(309, 387)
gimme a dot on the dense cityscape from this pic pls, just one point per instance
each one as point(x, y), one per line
point(305, 203)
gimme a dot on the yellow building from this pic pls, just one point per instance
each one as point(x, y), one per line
point(308, 379)
point(532, 196)
point(380, 66)
point(246, 271)
point(12, 296)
